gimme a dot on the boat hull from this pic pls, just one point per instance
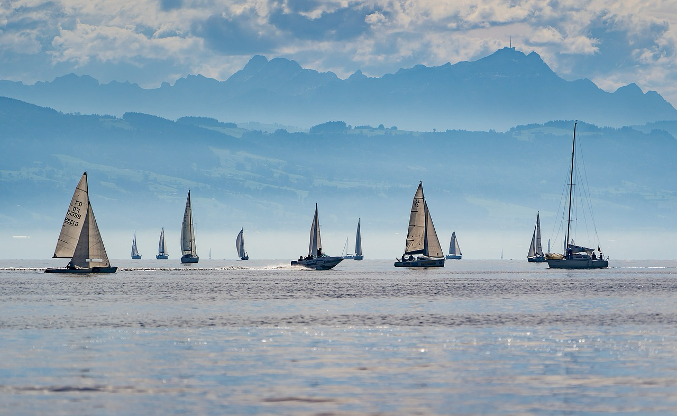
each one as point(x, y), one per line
point(358, 257)
point(162, 256)
point(421, 262)
point(92, 270)
point(136, 257)
point(453, 257)
point(189, 258)
point(536, 259)
point(319, 263)
point(577, 263)
point(245, 258)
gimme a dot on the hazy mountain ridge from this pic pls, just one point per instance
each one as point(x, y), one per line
point(504, 89)
point(141, 166)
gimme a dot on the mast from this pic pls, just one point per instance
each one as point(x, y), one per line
point(569, 208)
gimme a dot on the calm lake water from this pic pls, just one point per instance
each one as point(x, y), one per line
point(260, 337)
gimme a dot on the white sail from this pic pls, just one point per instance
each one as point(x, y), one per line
point(431, 243)
point(240, 244)
point(454, 246)
point(358, 241)
point(531, 251)
point(90, 251)
point(537, 249)
point(187, 236)
point(74, 221)
point(135, 251)
point(315, 245)
point(414, 243)
point(161, 243)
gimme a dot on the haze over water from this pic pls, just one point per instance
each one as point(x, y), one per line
point(260, 337)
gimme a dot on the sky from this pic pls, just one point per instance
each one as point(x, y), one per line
point(147, 42)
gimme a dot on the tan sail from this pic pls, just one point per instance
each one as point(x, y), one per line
point(432, 244)
point(74, 221)
point(414, 243)
point(90, 251)
point(315, 244)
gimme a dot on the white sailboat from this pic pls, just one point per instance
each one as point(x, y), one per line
point(188, 250)
point(535, 254)
point(575, 257)
point(455, 251)
point(358, 244)
point(316, 259)
point(162, 249)
point(80, 239)
point(421, 237)
point(240, 246)
point(135, 252)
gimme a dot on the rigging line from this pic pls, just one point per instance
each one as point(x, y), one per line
point(587, 193)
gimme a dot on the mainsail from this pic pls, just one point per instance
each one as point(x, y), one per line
point(358, 241)
point(315, 245)
point(421, 234)
point(135, 251)
point(187, 236)
point(161, 243)
point(454, 245)
point(535, 245)
point(240, 244)
point(80, 238)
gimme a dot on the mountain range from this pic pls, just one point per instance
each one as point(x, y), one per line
point(505, 89)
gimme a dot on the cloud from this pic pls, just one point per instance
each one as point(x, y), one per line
point(237, 34)
point(341, 24)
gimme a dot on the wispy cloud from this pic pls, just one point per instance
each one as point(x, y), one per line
point(611, 42)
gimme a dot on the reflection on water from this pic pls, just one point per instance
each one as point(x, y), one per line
point(266, 338)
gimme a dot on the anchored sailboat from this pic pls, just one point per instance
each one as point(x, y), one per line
point(188, 250)
point(455, 251)
point(135, 252)
point(575, 257)
point(535, 253)
point(421, 237)
point(240, 246)
point(80, 239)
point(162, 249)
point(316, 259)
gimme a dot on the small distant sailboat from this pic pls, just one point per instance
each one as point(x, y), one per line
point(162, 249)
point(240, 246)
point(188, 249)
point(135, 252)
point(575, 257)
point(358, 244)
point(316, 259)
point(455, 251)
point(535, 253)
point(80, 238)
point(421, 237)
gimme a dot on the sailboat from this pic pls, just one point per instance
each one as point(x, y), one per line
point(135, 252)
point(162, 249)
point(80, 239)
point(188, 251)
point(455, 251)
point(421, 237)
point(358, 244)
point(575, 257)
point(535, 253)
point(240, 246)
point(316, 259)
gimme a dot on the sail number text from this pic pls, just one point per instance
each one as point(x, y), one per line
point(74, 212)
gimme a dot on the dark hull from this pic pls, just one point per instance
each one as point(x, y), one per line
point(421, 262)
point(189, 258)
point(453, 257)
point(83, 271)
point(136, 257)
point(245, 258)
point(539, 259)
point(319, 263)
point(162, 256)
point(358, 257)
point(577, 264)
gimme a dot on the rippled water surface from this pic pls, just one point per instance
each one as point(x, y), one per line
point(260, 337)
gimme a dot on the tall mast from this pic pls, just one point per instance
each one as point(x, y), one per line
point(569, 208)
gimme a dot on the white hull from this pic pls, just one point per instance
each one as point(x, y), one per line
point(318, 263)
point(453, 257)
